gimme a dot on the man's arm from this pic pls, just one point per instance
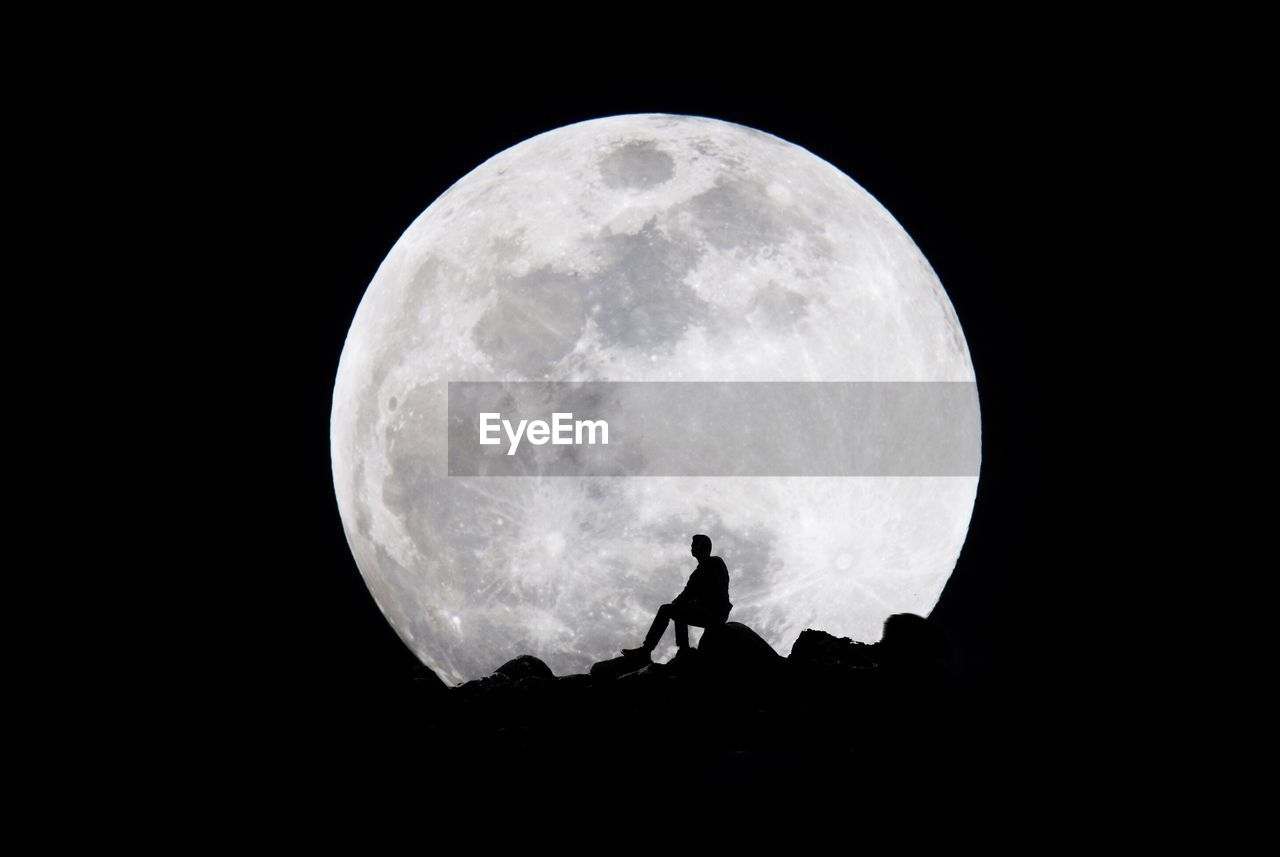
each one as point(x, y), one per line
point(709, 586)
point(689, 592)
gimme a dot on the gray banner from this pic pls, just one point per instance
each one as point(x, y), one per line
point(660, 428)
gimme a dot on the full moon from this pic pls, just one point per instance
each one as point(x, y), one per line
point(638, 248)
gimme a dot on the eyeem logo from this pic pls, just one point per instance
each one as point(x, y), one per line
point(714, 428)
point(538, 432)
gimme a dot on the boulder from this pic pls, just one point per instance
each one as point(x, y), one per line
point(733, 647)
point(616, 667)
point(686, 661)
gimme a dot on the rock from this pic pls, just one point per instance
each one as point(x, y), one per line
point(735, 647)
point(525, 666)
point(686, 661)
point(616, 667)
point(824, 651)
point(732, 692)
point(427, 683)
point(648, 672)
point(471, 689)
point(909, 638)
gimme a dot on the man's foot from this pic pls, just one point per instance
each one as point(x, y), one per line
point(640, 654)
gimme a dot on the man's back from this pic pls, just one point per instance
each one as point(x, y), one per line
point(709, 586)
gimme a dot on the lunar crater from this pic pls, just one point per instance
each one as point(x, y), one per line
point(637, 165)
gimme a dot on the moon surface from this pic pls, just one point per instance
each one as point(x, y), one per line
point(637, 248)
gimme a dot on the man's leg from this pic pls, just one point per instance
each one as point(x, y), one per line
point(684, 616)
point(682, 632)
point(659, 627)
point(690, 614)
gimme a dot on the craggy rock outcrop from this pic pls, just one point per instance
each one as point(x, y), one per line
point(525, 666)
point(730, 717)
point(734, 681)
point(818, 650)
point(732, 702)
point(428, 685)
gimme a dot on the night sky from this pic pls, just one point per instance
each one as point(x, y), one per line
point(988, 175)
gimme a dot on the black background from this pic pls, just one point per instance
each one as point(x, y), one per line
point(211, 194)
point(996, 176)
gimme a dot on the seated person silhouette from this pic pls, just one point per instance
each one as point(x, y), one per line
point(703, 603)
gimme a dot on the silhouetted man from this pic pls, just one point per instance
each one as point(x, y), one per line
point(703, 603)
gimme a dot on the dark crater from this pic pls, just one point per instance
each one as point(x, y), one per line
point(637, 165)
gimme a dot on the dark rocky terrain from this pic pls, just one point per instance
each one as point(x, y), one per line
point(875, 733)
point(730, 710)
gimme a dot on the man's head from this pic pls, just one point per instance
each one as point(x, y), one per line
point(701, 547)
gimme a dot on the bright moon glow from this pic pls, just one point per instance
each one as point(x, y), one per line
point(637, 248)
